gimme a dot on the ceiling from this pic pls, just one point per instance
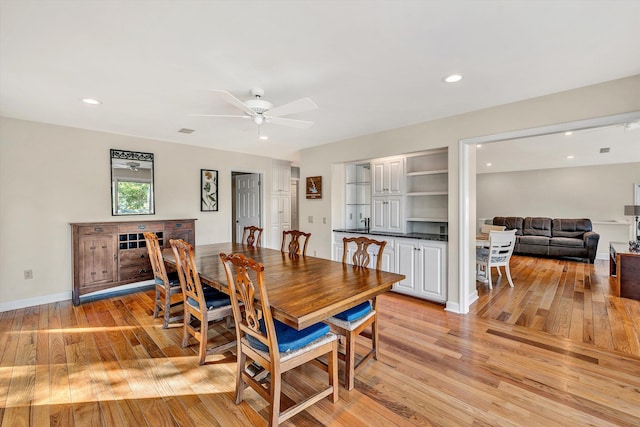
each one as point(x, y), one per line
point(595, 146)
point(369, 65)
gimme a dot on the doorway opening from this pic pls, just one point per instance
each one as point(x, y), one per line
point(246, 202)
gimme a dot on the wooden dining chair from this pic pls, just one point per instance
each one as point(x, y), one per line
point(251, 235)
point(497, 254)
point(168, 290)
point(201, 306)
point(273, 345)
point(355, 321)
point(294, 237)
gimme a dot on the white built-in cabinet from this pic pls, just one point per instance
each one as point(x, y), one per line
point(388, 176)
point(387, 214)
point(280, 202)
point(423, 262)
point(387, 199)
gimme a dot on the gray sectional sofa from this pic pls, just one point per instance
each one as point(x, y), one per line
point(555, 237)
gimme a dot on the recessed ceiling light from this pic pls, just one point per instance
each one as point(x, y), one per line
point(452, 78)
point(570, 157)
point(479, 145)
point(91, 101)
point(488, 164)
point(264, 137)
point(568, 133)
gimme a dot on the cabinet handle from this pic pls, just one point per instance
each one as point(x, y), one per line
point(115, 257)
point(98, 229)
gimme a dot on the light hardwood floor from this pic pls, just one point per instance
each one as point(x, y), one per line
point(533, 355)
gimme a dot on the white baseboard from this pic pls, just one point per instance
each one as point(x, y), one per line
point(63, 296)
point(30, 302)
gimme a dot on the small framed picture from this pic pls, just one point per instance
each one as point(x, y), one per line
point(208, 190)
point(314, 187)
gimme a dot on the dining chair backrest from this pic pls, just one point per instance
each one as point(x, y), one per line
point(155, 257)
point(294, 242)
point(501, 245)
point(188, 274)
point(246, 282)
point(486, 228)
point(251, 235)
point(361, 256)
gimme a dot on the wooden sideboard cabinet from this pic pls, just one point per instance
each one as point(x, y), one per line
point(110, 254)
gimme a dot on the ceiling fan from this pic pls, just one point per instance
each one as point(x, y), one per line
point(262, 111)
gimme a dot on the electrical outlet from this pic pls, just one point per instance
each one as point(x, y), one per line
point(28, 274)
point(310, 219)
point(324, 219)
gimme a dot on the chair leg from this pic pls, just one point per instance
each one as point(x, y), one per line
point(240, 384)
point(374, 336)
point(499, 272)
point(508, 272)
point(274, 405)
point(156, 310)
point(204, 335)
point(167, 310)
point(487, 271)
point(349, 361)
point(332, 369)
point(185, 329)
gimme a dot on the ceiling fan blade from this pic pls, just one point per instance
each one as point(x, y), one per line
point(219, 115)
point(303, 124)
point(230, 99)
point(304, 104)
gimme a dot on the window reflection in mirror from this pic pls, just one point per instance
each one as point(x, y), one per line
point(131, 183)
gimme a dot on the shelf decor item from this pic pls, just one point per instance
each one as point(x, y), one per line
point(208, 190)
point(314, 187)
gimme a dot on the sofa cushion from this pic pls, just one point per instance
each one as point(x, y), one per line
point(570, 227)
point(537, 226)
point(534, 240)
point(510, 223)
point(567, 242)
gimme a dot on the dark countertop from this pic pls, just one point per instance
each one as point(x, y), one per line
point(420, 236)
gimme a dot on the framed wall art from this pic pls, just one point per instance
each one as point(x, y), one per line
point(208, 190)
point(314, 187)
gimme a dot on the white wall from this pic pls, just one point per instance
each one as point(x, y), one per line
point(51, 176)
point(595, 192)
point(605, 99)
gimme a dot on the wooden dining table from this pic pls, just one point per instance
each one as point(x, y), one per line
point(302, 290)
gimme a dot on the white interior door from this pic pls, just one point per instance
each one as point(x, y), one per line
point(247, 202)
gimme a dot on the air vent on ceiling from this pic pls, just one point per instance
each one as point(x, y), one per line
point(604, 150)
point(187, 131)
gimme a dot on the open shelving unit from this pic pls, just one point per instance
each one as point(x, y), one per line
point(427, 177)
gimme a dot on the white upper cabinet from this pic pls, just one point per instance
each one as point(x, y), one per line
point(388, 176)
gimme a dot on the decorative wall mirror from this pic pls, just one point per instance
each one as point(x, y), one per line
point(131, 183)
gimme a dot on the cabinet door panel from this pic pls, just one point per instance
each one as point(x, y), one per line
point(97, 259)
point(394, 206)
point(395, 176)
point(379, 208)
point(405, 263)
point(432, 272)
point(378, 170)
